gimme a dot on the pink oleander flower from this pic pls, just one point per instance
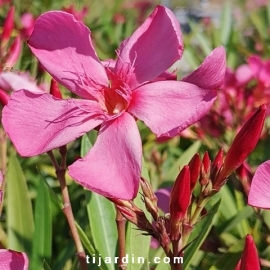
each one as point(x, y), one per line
point(27, 22)
point(259, 193)
point(78, 14)
point(11, 81)
point(13, 260)
point(113, 97)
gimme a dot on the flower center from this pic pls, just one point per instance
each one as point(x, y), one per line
point(116, 100)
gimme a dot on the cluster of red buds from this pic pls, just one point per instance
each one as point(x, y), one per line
point(173, 230)
point(9, 48)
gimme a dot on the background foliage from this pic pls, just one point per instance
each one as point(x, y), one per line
point(32, 219)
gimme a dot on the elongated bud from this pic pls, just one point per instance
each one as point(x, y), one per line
point(249, 259)
point(137, 217)
point(243, 144)
point(206, 162)
point(205, 169)
point(14, 52)
point(217, 164)
point(119, 202)
point(4, 97)
point(54, 89)
point(8, 26)
point(179, 201)
point(150, 199)
point(194, 167)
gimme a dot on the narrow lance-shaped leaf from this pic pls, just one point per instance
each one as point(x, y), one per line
point(19, 210)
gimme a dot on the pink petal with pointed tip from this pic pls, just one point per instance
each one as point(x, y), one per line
point(153, 47)
point(37, 123)
point(169, 107)
point(13, 260)
point(255, 63)
point(210, 74)
point(112, 167)
point(259, 194)
point(13, 81)
point(64, 48)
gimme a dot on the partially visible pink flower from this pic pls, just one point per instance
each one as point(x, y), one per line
point(78, 14)
point(260, 69)
point(11, 81)
point(113, 97)
point(27, 22)
point(259, 194)
point(13, 260)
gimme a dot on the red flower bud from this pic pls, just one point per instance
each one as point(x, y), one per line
point(243, 144)
point(194, 167)
point(8, 26)
point(54, 89)
point(206, 162)
point(216, 164)
point(4, 97)
point(179, 201)
point(250, 259)
point(205, 169)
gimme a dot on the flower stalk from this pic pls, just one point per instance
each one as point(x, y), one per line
point(121, 229)
point(67, 210)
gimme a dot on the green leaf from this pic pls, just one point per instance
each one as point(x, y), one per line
point(182, 161)
point(228, 209)
point(46, 265)
point(85, 241)
point(138, 245)
point(19, 210)
point(226, 24)
point(190, 58)
point(101, 213)
point(200, 231)
point(240, 216)
point(230, 259)
point(201, 38)
point(260, 23)
point(42, 240)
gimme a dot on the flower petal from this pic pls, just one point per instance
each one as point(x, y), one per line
point(37, 123)
point(112, 167)
point(259, 194)
point(163, 199)
point(210, 74)
point(256, 64)
point(153, 47)
point(14, 82)
point(64, 48)
point(169, 107)
point(13, 260)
